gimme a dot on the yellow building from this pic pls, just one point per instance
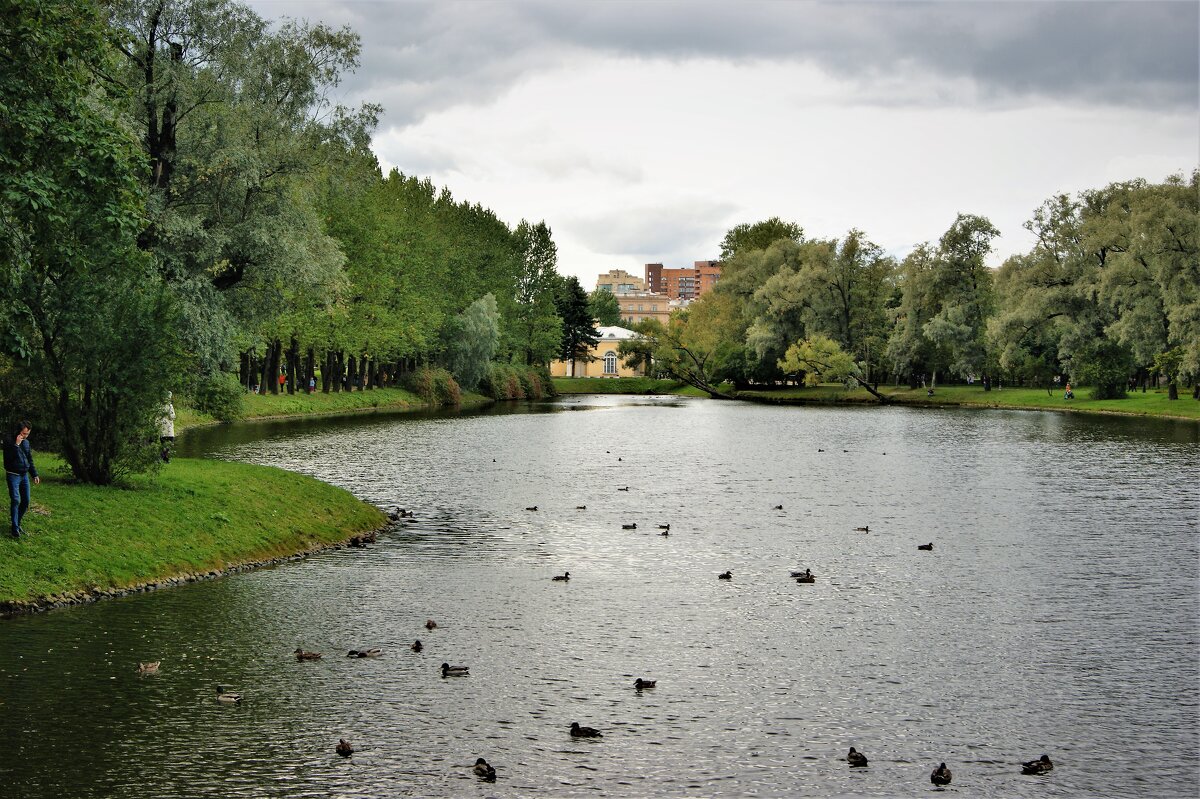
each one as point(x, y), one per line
point(604, 359)
point(637, 306)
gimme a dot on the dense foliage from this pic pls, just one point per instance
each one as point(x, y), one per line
point(1109, 297)
point(184, 207)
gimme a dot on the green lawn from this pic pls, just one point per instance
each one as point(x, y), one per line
point(263, 406)
point(624, 385)
point(195, 516)
point(1152, 403)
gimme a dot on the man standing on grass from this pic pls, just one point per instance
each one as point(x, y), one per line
point(18, 467)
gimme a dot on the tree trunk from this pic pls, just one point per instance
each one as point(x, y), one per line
point(351, 372)
point(271, 373)
point(1172, 390)
point(244, 369)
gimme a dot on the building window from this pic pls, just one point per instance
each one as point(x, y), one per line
point(610, 363)
point(654, 308)
point(639, 307)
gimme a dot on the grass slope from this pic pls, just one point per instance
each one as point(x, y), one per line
point(194, 516)
point(1152, 403)
point(623, 385)
point(266, 406)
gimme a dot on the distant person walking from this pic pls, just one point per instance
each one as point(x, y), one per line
point(18, 467)
point(166, 433)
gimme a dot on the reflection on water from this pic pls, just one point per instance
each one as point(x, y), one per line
point(1057, 613)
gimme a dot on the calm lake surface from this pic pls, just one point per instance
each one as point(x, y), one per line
point(1059, 612)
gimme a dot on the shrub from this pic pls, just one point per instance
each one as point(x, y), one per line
point(434, 385)
point(219, 395)
point(528, 383)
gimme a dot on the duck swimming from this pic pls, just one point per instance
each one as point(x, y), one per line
point(626, 488)
point(417, 645)
point(455, 671)
point(149, 668)
point(863, 529)
point(581, 507)
point(664, 527)
point(855, 758)
point(927, 547)
point(629, 526)
point(1039, 766)
point(726, 575)
point(532, 507)
point(807, 577)
point(941, 775)
point(344, 748)
point(484, 771)
point(562, 577)
point(304, 655)
point(430, 624)
point(639, 683)
point(584, 732)
point(227, 696)
point(777, 507)
point(374, 652)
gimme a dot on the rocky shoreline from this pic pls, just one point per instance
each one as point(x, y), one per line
point(66, 599)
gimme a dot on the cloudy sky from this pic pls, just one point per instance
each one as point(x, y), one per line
point(642, 131)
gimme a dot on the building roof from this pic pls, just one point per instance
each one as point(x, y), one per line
point(614, 333)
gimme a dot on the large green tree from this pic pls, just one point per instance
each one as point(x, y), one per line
point(946, 300)
point(85, 312)
point(751, 236)
point(536, 332)
point(235, 122)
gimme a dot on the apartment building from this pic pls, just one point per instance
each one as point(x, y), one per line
point(684, 284)
point(618, 281)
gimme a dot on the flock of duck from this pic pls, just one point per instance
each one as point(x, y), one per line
point(940, 776)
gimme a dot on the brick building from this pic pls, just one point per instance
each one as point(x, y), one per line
point(684, 284)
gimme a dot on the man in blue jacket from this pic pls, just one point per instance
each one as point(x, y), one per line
point(18, 468)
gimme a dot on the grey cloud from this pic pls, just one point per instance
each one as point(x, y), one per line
point(676, 233)
point(419, 57)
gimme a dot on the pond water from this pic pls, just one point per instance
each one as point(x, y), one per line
point(1057, 613)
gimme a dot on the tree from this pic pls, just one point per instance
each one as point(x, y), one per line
point(692, 347)
point(758, 236)
point(831, 287)
point(85, 313)
point(604, 308)
point(946, 299)
point(235, 123)
point(472, 337)
point(822, 360)
point(537, 329)
point(579, 332)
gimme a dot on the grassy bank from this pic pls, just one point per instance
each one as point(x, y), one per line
point(623, 385)
point(1152, 403)
point(269, 406)
point(195, 516)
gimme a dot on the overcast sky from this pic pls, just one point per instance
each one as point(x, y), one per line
point(642, 131)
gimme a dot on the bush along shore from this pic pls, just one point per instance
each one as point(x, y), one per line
point(426, 388)
point(194, 520)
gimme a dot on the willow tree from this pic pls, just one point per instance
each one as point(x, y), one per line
point(84, 310)
point(235, 122)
